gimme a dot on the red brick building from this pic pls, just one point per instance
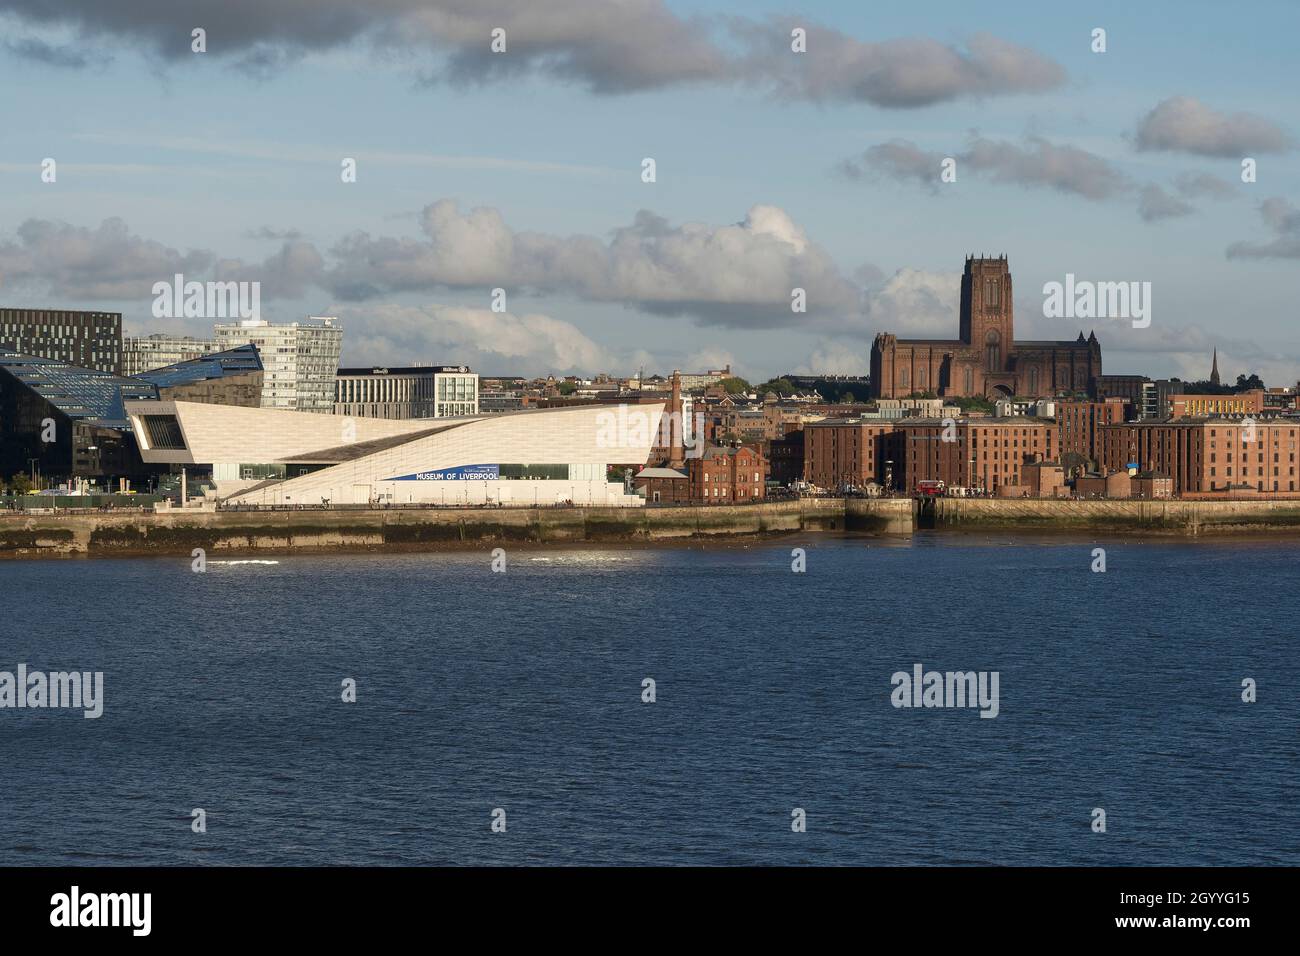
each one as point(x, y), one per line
point(663, 486)
point(1208, 455)
point(840, 452)
point(724, 476)
point(985, 359)
point(1081, 424)
point(975, 453)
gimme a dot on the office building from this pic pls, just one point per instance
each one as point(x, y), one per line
point(300, 360)
point(76, 338)
point(425, 391)
point(144, 353)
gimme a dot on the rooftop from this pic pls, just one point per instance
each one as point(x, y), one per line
point(236, 361)
point(80, 393)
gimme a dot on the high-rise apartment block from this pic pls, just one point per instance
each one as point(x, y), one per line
point(300, 360)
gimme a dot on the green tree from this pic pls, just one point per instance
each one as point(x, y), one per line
point(782, 387)
point(1245, 383)
point(735, 386)
point(20, 484)
point(567, 388)
point(847, 398)
point(973, 403)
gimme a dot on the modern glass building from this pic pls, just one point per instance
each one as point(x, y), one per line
point(64, 421)
point(300, 360)
point(144, 353)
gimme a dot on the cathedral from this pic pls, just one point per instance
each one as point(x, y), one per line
point(985, 360)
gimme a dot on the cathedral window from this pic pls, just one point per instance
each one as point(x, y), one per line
point(993, 351)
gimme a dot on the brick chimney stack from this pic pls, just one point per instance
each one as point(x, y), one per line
point(677, 452)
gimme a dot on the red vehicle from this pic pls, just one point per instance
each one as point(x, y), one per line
point(929, 489)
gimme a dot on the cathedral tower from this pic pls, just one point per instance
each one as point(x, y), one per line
point(986, 321)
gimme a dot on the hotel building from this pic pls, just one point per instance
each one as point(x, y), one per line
point(426, 391)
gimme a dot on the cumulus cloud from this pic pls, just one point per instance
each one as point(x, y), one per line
point(1066, 169)
point(1037, 163)
point(712, 356)
point(107, 262)
point(913, 302)
point(898, 159)
point(527, 344)
point(1155, 204)
point(1185, 124)
point(837, 357)
point(286, 274)
point(895, 74)
point(610, 48)
point(1283, 219)
point(738, 275)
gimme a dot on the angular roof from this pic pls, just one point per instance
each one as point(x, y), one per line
point(236, 361)
point(84, 394)
point(359, 449)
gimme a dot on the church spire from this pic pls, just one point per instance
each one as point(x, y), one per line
point(1214, 369)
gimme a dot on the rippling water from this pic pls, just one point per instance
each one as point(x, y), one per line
point(523, 690)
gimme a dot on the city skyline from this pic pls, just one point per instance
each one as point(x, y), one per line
point(771, 173)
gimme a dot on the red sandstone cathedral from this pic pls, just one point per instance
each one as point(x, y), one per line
point(985, 360)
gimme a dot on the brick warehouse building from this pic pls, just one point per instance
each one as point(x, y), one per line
point(851, 451)
point(901, 452)
point(1208, 455)
point(1081, 424)
point(985, 360)
point(985, 453)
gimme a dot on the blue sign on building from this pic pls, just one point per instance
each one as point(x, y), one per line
point(459, 473)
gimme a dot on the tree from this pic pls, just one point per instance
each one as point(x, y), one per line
point(973, 403)
point(735, 386)
point(782, 387)
point(20, 484)
point(1245, 384)
point(847, 398)
point(567, 388)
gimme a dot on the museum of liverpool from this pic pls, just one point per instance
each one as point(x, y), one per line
point(263, 456)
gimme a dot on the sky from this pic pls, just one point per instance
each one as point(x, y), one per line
point(522, 170)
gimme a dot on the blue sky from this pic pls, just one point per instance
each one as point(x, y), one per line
point(239, 161)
